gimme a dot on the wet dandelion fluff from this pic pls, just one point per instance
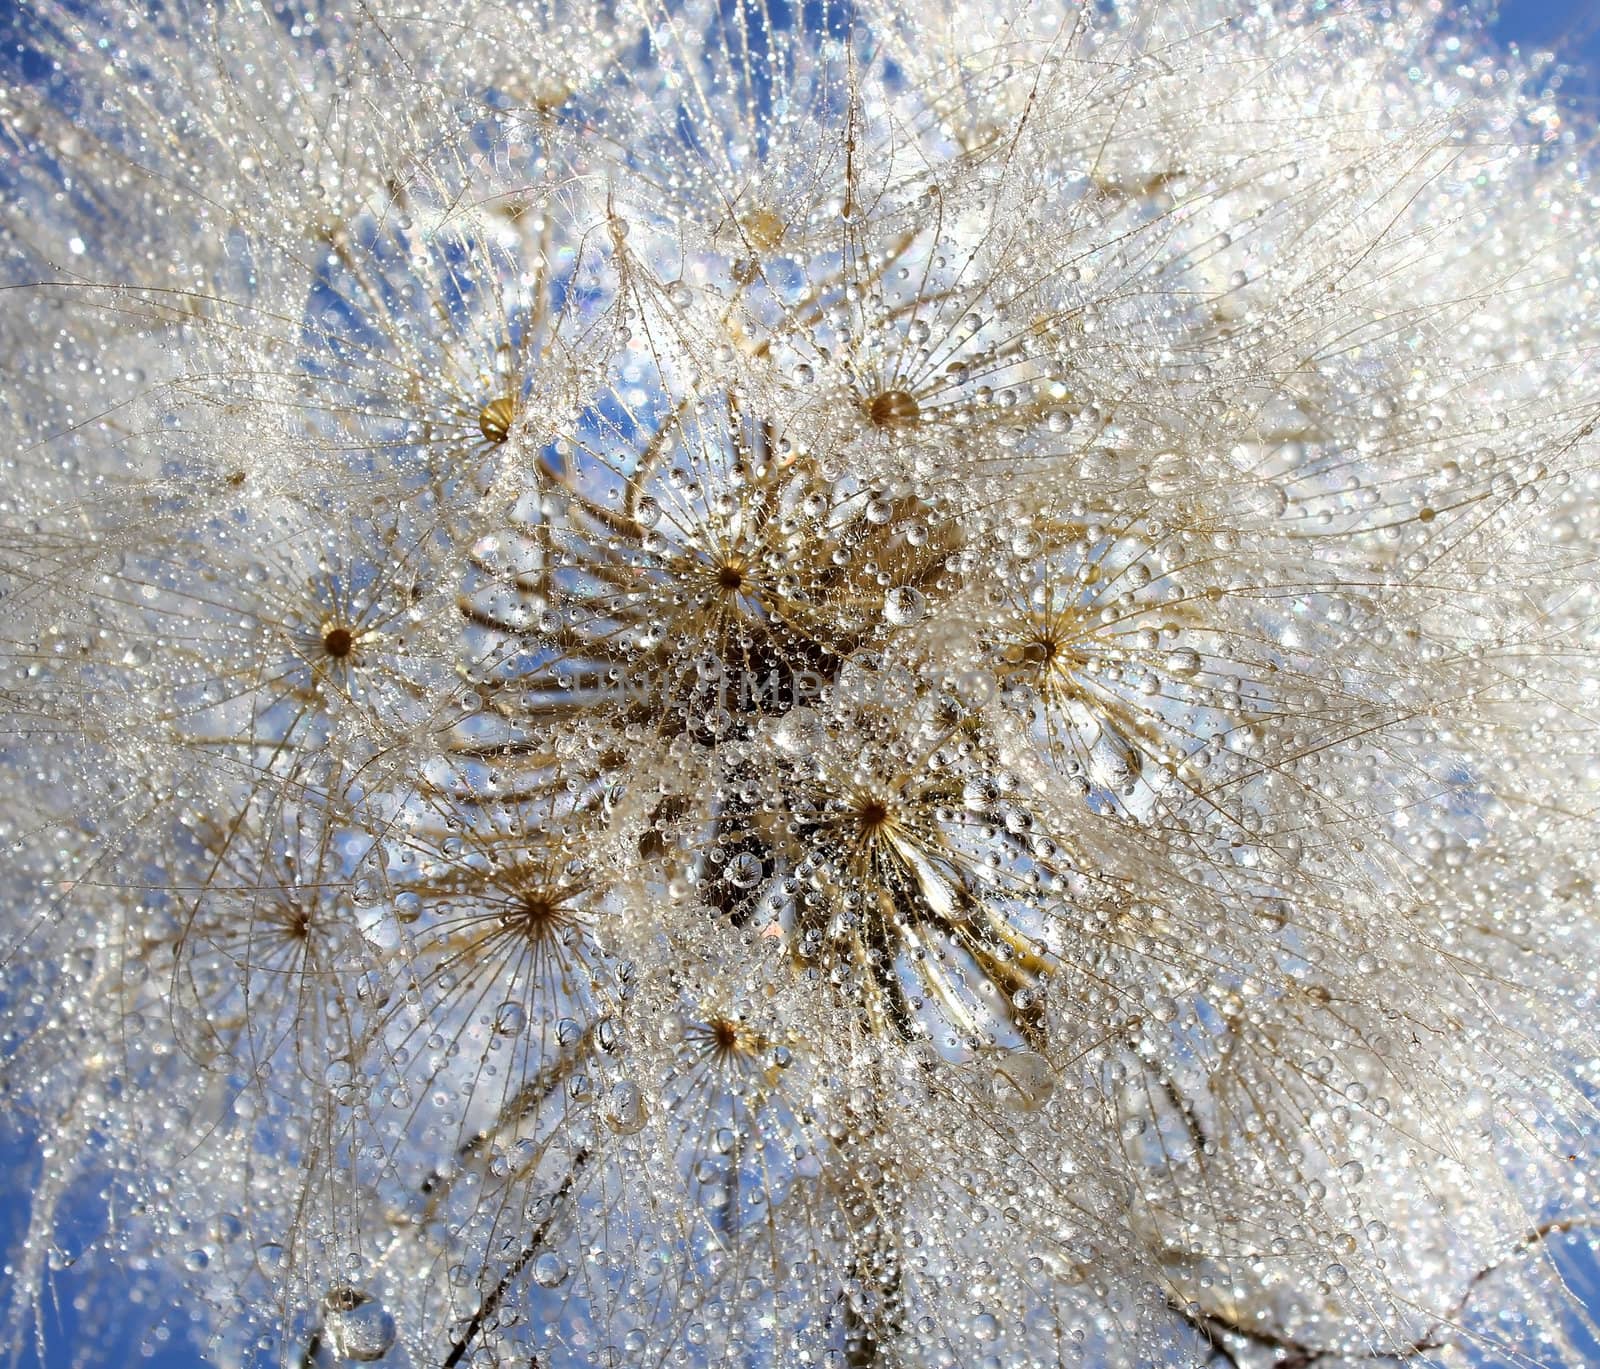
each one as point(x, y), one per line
point(861, 684)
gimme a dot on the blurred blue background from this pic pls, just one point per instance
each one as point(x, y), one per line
point(1569, 28)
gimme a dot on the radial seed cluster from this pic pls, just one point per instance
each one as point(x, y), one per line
point(873, 683)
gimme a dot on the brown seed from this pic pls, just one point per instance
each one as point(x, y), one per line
point(337, 641)
point(495, 418)
point(763, 229)
point(730, 577)
point(893, 409)
point(549, 95)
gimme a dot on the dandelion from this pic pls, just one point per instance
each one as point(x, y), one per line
point(862, 684)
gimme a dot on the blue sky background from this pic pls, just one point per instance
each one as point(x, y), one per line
point(1552, 23)
point(1569, 27)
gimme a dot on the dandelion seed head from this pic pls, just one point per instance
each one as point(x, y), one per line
point(852, 684)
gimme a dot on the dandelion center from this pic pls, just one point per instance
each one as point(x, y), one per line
point(538, 913)
point(872, 816)
point(338, 641)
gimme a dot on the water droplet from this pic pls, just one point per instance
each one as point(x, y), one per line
point(549, 1270)
point(744, 870)
point(1023, 1079)
point(625, 1109)
point(1162, 1008)
point(903, 606)
point(510, 1019)
point(1114, 763)
point(372, 989)
point(798, 732)
point(894, 409)
point(358, 1326)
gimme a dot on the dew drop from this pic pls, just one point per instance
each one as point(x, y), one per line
point(744, 870)
point(1023, 1079)
point(1162, 1008)
point(625, 1110)
point(549, 1270)
point(903, 606)
point(358, 1327)
point(894, 409)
